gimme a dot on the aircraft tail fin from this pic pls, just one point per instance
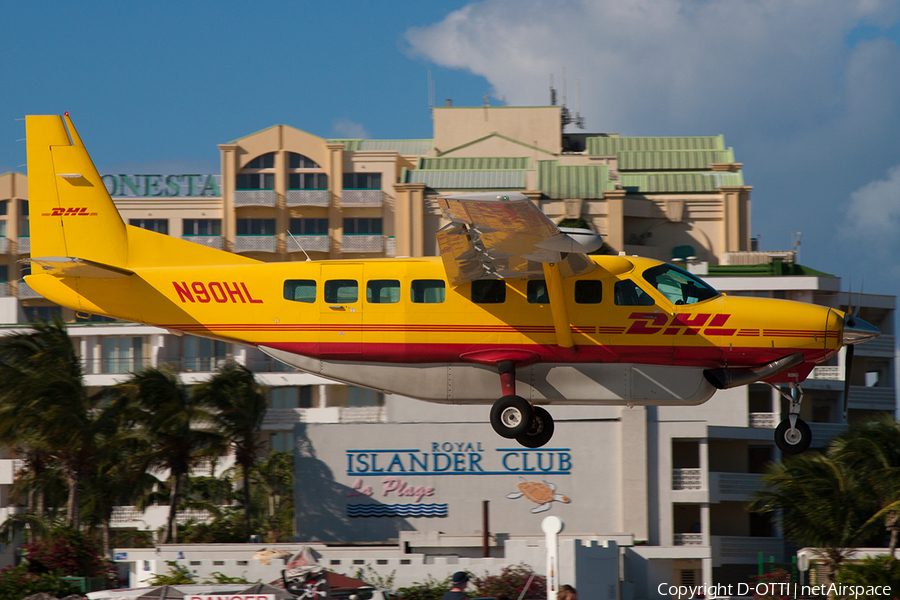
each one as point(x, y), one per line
point(71, 213)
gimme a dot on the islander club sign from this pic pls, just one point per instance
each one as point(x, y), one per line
point(166, 186)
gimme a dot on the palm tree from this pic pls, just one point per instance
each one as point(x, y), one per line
point(45, 409)
point(871, 450)
point(239, 410)
point(821, 503)
point(179, 427)
point(274, 479)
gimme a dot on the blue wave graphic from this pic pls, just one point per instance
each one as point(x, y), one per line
point(396, 510)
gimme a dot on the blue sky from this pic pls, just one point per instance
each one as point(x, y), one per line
point(807, 92)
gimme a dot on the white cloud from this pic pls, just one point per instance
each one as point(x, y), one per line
point(347, 129)
point(873, 215)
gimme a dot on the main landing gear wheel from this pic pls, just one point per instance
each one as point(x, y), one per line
point(541, 429)
point(511, 416)
point(793, 441)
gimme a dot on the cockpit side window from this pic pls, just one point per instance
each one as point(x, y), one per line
point(679, 286)
point(628, 293)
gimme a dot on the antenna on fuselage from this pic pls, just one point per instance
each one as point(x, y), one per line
point(308, 259)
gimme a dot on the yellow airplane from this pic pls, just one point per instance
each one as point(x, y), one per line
point(512, 299)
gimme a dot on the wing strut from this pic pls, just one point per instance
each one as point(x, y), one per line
point(558, 307)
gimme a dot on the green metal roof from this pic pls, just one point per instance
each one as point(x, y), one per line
point(674, 160)
point(609, 146)
point(464, 163)
point(469, 179)
point(584, 181)
point(406, 147)
point(679, 182)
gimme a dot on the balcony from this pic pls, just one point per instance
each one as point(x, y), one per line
point(873, 398)
point(308, 198)
point(822, 433)
point(210, 241)
point(285, 418)
point(362, 198)
point(25, 291)
point(827, 373)
point(882, 346)
point(255, 243)
point(687, 479)
point(362, 243)
point(309, 243)
point(4, 289)
point(255, 198)
point(24, 245)
point(4, 245)
point(745, 549)
point(687, 539)
point(764, 420)
point(733, 487)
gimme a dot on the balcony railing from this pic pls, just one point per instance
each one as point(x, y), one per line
point(4, 245)
point(308, 198)
point(362, 243)
point(390, 247)
point(309, 243)
point(4, 289)
point(255, 198)
point(883, 345)
point(687, 539)
point(255, 243)
point(822, 433)
point(284, 417)
point(210, 241)
point(24, 245)
point(745, 549)
point(735, 484)
point(687, 479)
point(765, 420)
point(96, 366)
point(362, 198)
point(873, 398)
point(25, 291)
point(827, 373)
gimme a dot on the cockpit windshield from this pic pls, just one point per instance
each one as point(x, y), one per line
point(679, 286)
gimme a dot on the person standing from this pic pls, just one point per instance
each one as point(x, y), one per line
point(458, 582)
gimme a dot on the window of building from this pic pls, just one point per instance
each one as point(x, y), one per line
point(309, 226)
point(122, 354)
point(489, 291)
point(627, 293)
point(33, 314)
point(298, 161)
point(341, 291)
point(536, 292)
point(4, 207)
point(2, 228)
point(428, 291)
point(282, 441)
point(291, 397)
point(202, 227)
point(25, 228)
point(362, 226)
point(4, 273)
point(255, 181)
point(263, 161)
point(362, 397)
point(300, 290)
point(92, 318)
point(255, 226)
point(588, 291)
point(307, 181)
point(383, 291)
point(23, 208)
point(362, 181)
point(201, 354)
point(157, 225)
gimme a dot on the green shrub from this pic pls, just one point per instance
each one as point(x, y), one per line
point(871, 572)
point(510, 582)
point(17, 582)
point(66, 553)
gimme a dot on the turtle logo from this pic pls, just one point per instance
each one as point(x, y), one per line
point(541, 493)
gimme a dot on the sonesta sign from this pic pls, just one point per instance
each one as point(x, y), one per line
point(148, 186)
point(231, 597)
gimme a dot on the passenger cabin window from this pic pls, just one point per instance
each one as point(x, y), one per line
point(300, 290)
point(679, 286)
point(628, 293)
point(341, 291)
point(536, 291)
point(428, 291)
point(383, 291)
point(489, 291)
point(588, 291)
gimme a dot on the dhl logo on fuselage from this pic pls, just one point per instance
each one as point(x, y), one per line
point(214, 291)
point(75, 211)
point(649, 323)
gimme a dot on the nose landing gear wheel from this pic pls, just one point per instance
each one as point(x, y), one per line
point(541, 429)
point(511, 416)
point(793, 441)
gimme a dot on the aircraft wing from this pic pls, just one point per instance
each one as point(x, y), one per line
point(505, 236)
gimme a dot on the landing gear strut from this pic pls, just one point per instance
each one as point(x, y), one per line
point(793, 436)
point(513, 417)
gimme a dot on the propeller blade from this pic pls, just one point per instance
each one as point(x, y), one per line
point(848, 363)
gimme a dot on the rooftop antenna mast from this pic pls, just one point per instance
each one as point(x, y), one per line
point(795, 245)
point(552, 92)
point(566, 114)
point(430, 94)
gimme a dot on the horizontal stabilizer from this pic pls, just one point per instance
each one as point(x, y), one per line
point(69, 266)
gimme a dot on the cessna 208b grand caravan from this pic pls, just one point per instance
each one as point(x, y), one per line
point(514, 306)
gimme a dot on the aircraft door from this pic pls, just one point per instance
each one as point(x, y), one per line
point(340, 314)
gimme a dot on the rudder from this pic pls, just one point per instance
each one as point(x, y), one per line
point(71, 213)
